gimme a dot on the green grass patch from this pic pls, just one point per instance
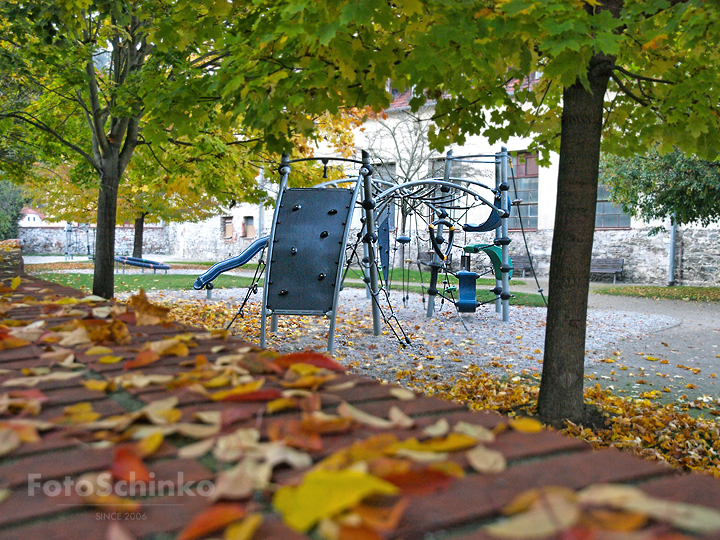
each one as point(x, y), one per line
point(149, 282)
point(694, 294)
point(135, 282)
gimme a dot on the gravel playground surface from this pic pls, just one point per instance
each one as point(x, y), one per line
point(441, 346)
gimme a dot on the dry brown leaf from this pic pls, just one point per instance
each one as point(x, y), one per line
point(551, 514)
point(438, 429)
point(402, 393)
point(479, 433)
point(9, 441)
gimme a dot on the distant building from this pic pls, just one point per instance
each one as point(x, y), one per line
point(33, 218)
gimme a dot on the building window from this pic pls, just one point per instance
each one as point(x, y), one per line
point(609, 215)
point(524, 186)
point(248, 227)
point(226, 224)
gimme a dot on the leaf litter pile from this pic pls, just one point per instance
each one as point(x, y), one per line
point(269, 423)
point(445, 363)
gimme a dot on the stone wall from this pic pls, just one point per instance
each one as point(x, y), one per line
point(52, 240)
point(204, 241)
point(697, 251)
point(646, 257)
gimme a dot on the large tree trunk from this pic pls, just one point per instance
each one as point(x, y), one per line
point(561, 388)
point(104, 276)
point(138, 239)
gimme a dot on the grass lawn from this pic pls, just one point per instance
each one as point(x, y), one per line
point(134, 282)
point(697, 294)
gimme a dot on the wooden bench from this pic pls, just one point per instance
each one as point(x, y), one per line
point(521, 263)
point(607, 266)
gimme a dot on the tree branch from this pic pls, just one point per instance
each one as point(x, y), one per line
point(639, 77)
point(627, 91)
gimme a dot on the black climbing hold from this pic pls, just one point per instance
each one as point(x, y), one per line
point(496, 290)
point(293, 250)
point(283, 292)
point(324, 234)
point(296, 207)
point(332, 212)
point(322, 276)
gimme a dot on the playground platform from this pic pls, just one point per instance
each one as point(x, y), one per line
point(458, 508)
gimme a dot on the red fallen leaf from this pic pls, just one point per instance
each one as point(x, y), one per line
point(419, 482)
point(267, 394)
point(143, 358)
point(127, 465)
point(31, 393)
point(325, 426)
point(309, 357)
point(128, 317)
point(291, 433)
point(212, 519)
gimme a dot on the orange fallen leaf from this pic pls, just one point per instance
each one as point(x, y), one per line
point(143, 358)
point(212, 519)
point(525, 424)
point(127, 465)
point(309, 357)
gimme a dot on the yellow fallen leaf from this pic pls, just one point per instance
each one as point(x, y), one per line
point(245, 530)
point(96, 385)
point(149, 445)
point(324, 494)
point(15, 282)
point(98, 350)
point(525, 424)
point(245, 388)
point(451, 443)
point(109, 359)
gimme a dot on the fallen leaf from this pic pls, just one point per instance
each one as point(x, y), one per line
point(127, 465)
point(324, 494)
point(245, 530)
point(438, 429)
point(525, 424)
point(309, 357)
point(143, 358)
point(9, 441)
point(485, 460)
point(212, 519)
point(550, 514)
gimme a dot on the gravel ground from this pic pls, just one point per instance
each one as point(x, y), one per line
point(442, 344)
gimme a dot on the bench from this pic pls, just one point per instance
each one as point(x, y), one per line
point(522, 263)
point(607, 266)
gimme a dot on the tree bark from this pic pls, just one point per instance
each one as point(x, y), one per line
point(104, 275)
point(138, 239)
point(561, 387)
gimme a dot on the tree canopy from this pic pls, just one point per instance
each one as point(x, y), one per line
point(627, 74)
point(660, 186)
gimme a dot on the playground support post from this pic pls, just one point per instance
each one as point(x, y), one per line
point(436, 263)
point(368, 205)
point(505, 240)
point(498, 235)
point(671, 262)
point(284, 172)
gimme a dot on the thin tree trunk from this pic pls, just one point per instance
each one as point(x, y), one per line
point(138, 239)
point(561, 387)
point(104, 275)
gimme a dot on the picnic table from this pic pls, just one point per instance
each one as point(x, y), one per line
point(456, 504)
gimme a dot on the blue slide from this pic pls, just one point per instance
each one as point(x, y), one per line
point(233, 262)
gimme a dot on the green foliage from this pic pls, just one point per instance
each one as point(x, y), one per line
point(656, 186)
point(12, 200)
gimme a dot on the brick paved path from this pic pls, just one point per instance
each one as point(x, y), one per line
point(534, 459)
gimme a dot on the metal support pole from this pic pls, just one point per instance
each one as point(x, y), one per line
point(498, 235)
point(370, 238)
point(505, 240)
point(284, 172)
point(671, 265)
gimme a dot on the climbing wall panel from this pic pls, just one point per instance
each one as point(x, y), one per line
point(307, 249)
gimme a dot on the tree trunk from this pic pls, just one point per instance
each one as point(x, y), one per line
point(104, 276)
point(138, 239)
point(561, 387)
